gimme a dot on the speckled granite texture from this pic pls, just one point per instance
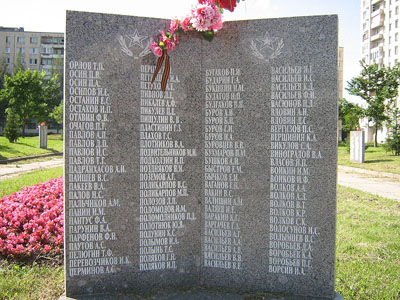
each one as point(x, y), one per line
point(227, 180)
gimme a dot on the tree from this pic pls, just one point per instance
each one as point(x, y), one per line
point(29, 95)
point(57, 114)
point(3, 106)
point(378, 87)
point(11, 131)
point(393, 141)
point(3, 71)
point(349, 114)
point(19, 63)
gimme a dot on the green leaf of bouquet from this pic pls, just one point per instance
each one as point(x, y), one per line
point(208, 35)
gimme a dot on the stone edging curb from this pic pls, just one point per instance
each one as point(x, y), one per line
point(369, 172)
point(9, 160)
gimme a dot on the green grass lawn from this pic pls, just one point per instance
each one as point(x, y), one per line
point(33, 282)
point(15, 184)
point(29, 146)
point(368, 246)
point(376, 159)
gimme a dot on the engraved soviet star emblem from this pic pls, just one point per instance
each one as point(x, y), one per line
point(133, 42)
point(136, 39)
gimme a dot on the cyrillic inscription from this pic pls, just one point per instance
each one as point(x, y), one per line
point(222, 169)
point(291, 237)
point(162, 162)
point(90, 236)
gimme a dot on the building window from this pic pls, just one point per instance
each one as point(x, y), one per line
point(33, 39)
point(395, 50)
point(33, 61)
point(390, 26)
point(58, 51)
point(396, 37)
point(390, 40)
point(8, 50)
point(20, 50)
point(390, 14)
point(21, 39)
point(8, 39)
point(22, 60)
point(396, 11)
point(33, 51)
point(46, 50)
point(8, 60)
point(46, 61)
point(390, 51)
point(396, 23)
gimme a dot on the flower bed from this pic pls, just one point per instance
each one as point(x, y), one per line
point(32, 220)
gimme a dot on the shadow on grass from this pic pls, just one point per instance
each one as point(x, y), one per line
point(7, 149)
point(52, 150)
point(377, 161)
point(25, 145)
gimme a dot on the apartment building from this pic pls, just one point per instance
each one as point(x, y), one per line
point(35, 50)
point(380, 32)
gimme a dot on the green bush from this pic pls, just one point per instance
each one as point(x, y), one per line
point(393, 145)
point(393, 141)
point(12, 130)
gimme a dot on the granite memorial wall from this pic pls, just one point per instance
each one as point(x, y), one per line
point(227, 179)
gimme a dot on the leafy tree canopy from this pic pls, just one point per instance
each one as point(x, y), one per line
point(349, 114)
point(378, 86)
point(30, 95)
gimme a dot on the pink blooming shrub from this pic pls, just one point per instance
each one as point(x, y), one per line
point(32, 220)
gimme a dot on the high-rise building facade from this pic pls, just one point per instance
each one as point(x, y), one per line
point(380, 31)
point(34, 50)
point(380, 43)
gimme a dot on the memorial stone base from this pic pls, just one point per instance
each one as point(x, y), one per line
point(200, 294)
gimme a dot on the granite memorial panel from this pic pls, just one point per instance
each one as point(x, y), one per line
point(357, 146)
point(225, 180)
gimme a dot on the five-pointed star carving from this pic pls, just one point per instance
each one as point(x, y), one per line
point(266, 41)
point(136, 39)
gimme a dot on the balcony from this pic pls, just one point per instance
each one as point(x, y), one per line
point(51, 41)
point(377, 24)
point(50, 55)
point(376, 37)
point(375, 1)
point(377, 49)
point(377, 12)
point(60, 45)
point(377, 19)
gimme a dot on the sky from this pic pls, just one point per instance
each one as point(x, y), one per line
point(49, 15)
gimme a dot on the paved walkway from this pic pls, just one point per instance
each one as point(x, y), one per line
point(383, 184)
point(15, 169)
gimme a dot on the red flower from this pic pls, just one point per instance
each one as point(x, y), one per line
point(227, 4)
point(43, 124)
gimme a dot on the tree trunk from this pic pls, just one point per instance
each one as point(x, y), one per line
point(376, 134)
